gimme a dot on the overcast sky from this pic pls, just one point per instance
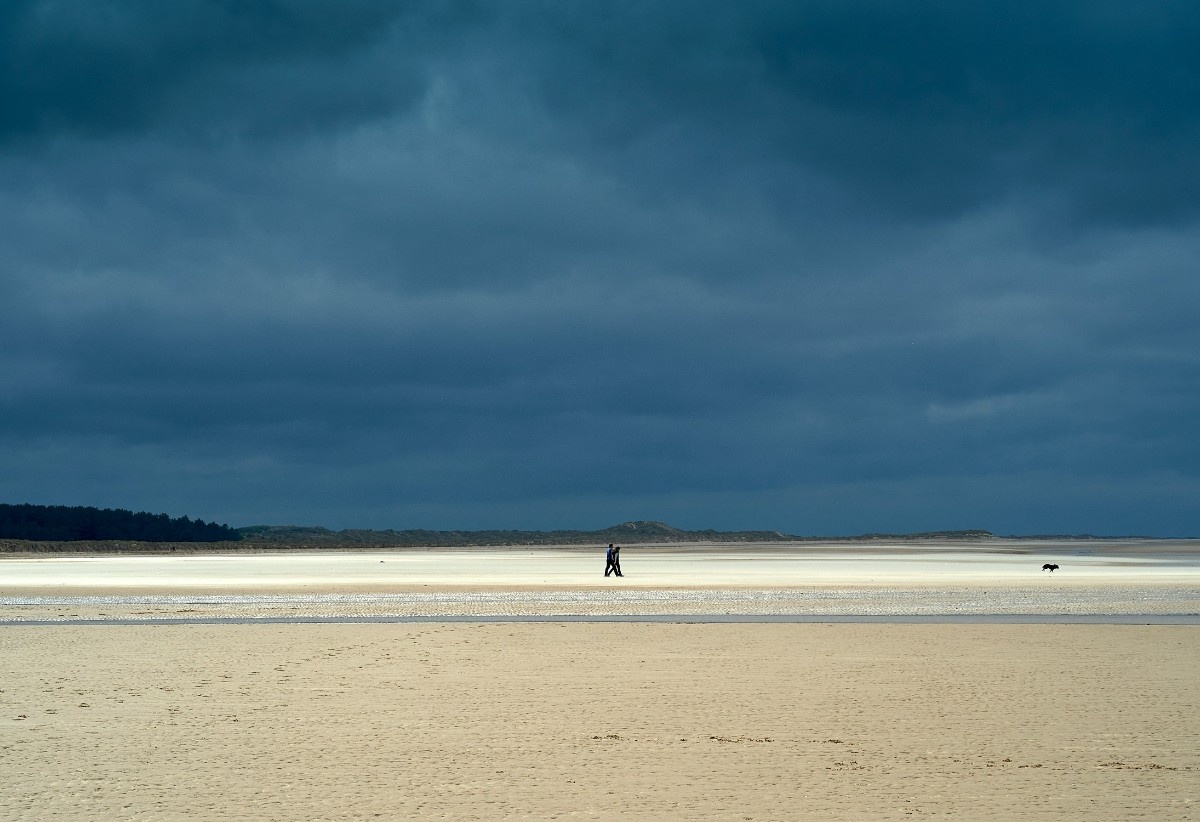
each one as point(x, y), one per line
point(820, 267)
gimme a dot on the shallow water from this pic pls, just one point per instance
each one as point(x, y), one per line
point(806, 603)
point(927, 619)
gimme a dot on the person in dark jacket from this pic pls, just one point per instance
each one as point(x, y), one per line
point(612, 560)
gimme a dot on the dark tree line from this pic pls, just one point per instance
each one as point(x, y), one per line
point(61, 523)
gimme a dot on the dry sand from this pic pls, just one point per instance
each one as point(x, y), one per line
point(600, 721)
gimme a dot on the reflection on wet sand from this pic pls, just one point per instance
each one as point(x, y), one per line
point(1000, 577)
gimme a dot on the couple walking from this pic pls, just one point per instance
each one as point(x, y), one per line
point(612, 561)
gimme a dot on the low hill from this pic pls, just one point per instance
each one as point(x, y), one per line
point(59, 529)
point(626, 533)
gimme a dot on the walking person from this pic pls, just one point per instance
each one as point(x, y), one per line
point(616, 561)
point(610, 561)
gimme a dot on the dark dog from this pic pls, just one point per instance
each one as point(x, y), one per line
point(1049, 566)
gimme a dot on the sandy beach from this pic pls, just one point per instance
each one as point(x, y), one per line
point(107, 713)
point(640, 721)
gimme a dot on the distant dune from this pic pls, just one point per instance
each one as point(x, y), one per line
point(643, 532)
point(293, 537)
point(627, 533)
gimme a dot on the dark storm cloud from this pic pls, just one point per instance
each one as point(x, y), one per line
point(930, 107)
point(801, 266)
point(106, 68)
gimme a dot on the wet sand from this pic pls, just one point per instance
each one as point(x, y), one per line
point(1124, 578)
point(698, 565)
point(600, 721)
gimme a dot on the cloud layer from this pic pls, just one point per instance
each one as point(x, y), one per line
point(785, 265)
